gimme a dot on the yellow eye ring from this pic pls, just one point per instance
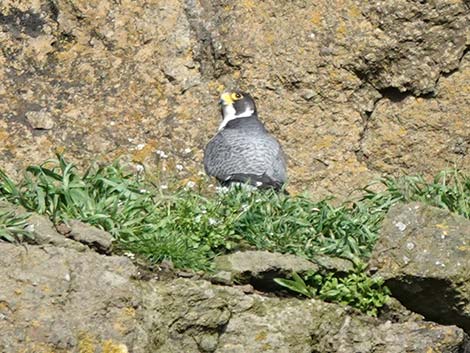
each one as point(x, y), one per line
point(236, 96)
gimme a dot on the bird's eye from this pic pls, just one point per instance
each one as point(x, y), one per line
point(236, 96)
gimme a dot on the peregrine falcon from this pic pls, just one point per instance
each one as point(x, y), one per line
point(243, 151)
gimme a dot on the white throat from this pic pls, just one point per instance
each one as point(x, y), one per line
point(229, 115)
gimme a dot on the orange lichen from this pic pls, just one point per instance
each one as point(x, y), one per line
point(261, 336)
point(354, 11)
point(139, 156)
point(316, 18)
point(3, 134)
point(40, 348)
point(111, 347)
point(124, 320)
point(86, 343)
point(46, 289)
point(35, 324)
point(341, 29)
point(442, 226)
point(325, 142)
point(249, 4)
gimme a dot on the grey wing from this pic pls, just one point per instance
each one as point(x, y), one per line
point(280, 165)
point(217, 155)
point(276, 168)
point(230, 153)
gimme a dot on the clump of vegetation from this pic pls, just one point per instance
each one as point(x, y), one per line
point(189, 228)
point(186, 227)
point(450, 189)
point(356, 289)
point(13, 228)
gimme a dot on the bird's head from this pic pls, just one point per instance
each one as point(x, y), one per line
point(237, 104)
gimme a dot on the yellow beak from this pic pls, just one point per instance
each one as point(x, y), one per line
point(226, 99)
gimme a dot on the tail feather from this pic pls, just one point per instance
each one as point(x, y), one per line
point(259, 181)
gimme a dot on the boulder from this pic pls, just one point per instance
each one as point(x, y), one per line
point(423, 254)
point(259, 268)
point(42, 230)
point(56, 299)
point(196, 316)
point(91, 236)
point(73, 234)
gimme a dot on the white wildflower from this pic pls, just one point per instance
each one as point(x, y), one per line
point(130, 255)
point(140, 146)
point(163, 186)
point(221, 190)
point(212, 221)
point(139, 168)
point(179, 167)
point(401, 226)
point(161, 154)
point(190, 184)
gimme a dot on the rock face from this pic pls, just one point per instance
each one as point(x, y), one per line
point(93, 237)
point(404, 130)
point(337, 83)
point(56, 299)
point(423, 255)
point(208, 318)
point(259, 268)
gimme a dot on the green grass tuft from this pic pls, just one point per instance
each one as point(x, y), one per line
point(13, 228)
point(355, 289)
point(450, 190)
point(190, 229)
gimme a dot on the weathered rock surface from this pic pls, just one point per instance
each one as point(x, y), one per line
point(259, 268)
point(56, 299)
point(42, 230)
point(130, 78)
point(91, 236)
point(208, 318)
point(405, 131)
point(423, 254)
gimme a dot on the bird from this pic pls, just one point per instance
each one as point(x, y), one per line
point(243, 151)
